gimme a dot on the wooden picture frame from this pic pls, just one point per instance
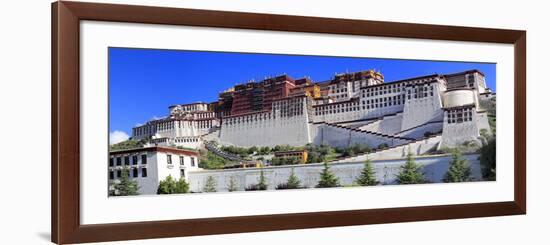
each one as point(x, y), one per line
point(65, 175)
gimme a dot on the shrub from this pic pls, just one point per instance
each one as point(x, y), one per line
point(232, 185)
point(170, 186)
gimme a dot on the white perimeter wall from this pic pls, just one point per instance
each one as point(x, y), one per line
point(434, 169)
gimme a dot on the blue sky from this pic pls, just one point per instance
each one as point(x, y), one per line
point(144, 82)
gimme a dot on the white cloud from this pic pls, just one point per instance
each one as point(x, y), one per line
point(156, 118)
point(117, 137)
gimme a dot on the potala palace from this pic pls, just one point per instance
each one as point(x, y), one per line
point(414, 115)
point(349, 109)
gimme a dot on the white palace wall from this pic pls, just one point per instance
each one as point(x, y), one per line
point(424, 109)
point(419, 131)
point(387, 125)
point(457, 133)
point(286, 124)
point(267, 132)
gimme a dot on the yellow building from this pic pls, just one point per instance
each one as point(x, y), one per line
point(302, 154)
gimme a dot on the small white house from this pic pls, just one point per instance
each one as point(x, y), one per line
point(149, 165)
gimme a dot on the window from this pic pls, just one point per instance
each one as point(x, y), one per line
point(192, 162)
point(118, 161)
point(143, 159)
point(144, 172)
point(119, 173)
point(181, 160)
point(182, 173)
point(126, 160)
point(111, 161)
point(111, 174)
point(134, 160)
point(135, 172)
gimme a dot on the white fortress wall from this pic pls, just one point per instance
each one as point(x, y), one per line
point(483, 122)
point(461, 120)
point(387, 125)
point(267, 132)
point(434, 169)
point(426, 107)
point(286, 124)
point(455, 134)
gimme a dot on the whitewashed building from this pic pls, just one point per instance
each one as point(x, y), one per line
point(149, 165)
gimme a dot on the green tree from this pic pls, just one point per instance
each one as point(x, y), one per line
point(210, 185)
point(126, 187)
point(262, 183)
point(368, 175)
point(252, 149)
point(327, 178)
point(232, 185)
point(181, 186)
point(488, 160)
point(291, 183)
point(459, 169)
point(410, 172)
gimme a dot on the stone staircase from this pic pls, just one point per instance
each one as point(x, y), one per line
point(212, 147)
point(417, 147)
point(368, 132)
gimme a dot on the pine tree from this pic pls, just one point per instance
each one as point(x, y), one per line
point(232, 186)
point(368, 176)
point(459, 169)
point(210, 185)
point(262, 183)
point(126, 187)
point(327, 178)
point(410, 172)
point(293, 182)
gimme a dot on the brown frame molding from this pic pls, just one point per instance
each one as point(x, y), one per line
point(65, 182)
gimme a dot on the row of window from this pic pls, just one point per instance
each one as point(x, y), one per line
point(118, 160)
point(460, 115)
point(186, 140)
point(248, 118)
point(134, 173)
point(182, 162)
point(146, 130)
point(471, 80)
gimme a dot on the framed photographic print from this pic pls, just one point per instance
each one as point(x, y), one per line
point(177, 122)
